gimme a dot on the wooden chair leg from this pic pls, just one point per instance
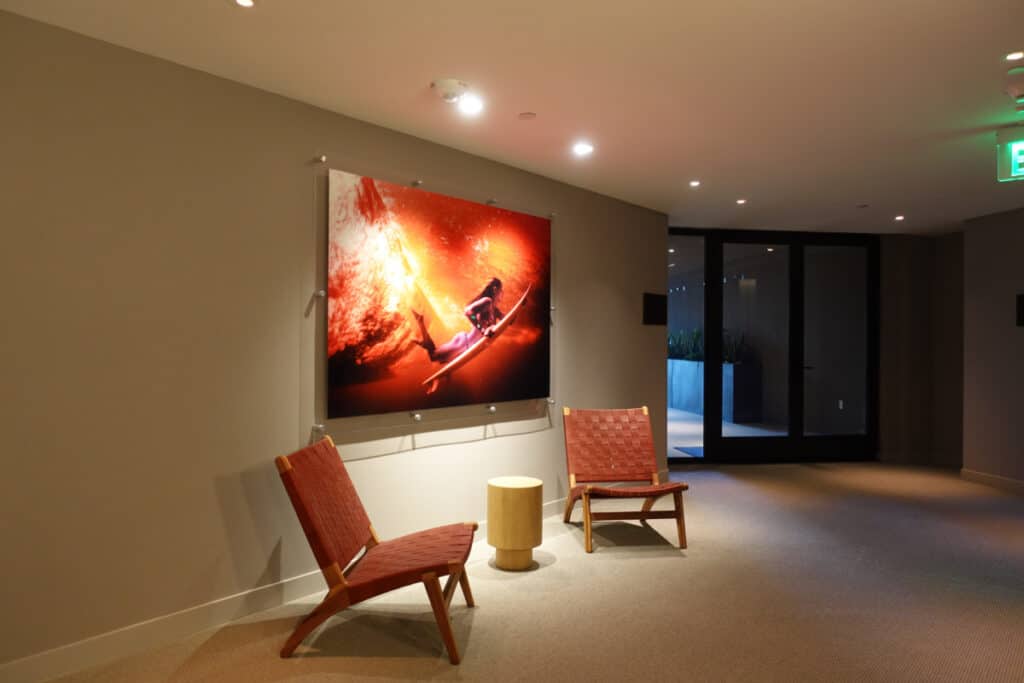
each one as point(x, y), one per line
point(680, 523)
point(587, 524)
point(454, 572)
point(331, 605)
point(444, 623)
point(570, 502)
point(648, 504)
point(466, 591)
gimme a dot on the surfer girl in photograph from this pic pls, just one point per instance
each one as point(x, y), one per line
point(482, 312)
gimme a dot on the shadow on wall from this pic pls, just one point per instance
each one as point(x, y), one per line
point(257, 497)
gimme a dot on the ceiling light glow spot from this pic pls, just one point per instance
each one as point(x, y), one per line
point(741, 201)
point(694, 183)
point(771, 249)
point(899, 218)
point(582, 148)
point(671, 250)
point(1015, 56)
point(245, 3)
point(470, 104)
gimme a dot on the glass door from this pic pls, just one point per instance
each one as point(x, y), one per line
point(835, 370)
point(755, 340)
point(685, 378)
point(790, 346)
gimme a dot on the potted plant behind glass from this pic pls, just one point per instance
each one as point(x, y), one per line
point(741, 380)
point(686, 370)
point(741, 375)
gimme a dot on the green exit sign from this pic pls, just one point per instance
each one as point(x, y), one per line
point(1010, 154)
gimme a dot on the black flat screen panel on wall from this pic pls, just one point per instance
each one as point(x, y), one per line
point(655, 309)
point(1020, 310)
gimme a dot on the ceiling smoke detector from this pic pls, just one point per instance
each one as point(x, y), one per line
point(450, 90)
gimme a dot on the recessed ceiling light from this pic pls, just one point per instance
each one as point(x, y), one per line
point(694, 183)
point(771, 249)
point(899, 218)
point(245, 3)
point(470, 104)
point(1014, 56)
point(741, 201)
point(582, 148)
point(671, 250)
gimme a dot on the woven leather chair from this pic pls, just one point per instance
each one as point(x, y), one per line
point(608, 446)
point(338, 528)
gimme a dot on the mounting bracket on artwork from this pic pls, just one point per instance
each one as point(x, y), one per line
point(318, 294)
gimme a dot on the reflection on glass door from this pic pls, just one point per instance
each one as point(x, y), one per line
point(685, 346)
point(755, 340)
point(835, 340)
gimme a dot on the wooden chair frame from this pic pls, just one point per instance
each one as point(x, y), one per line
point(339, 596)
point(587, 492)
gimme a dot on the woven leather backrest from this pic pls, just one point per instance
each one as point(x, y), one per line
point(609, 445)
point(326, 503)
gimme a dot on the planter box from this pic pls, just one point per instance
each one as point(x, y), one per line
point(741, 389)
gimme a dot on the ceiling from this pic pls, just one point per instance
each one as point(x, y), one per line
point(808, 109)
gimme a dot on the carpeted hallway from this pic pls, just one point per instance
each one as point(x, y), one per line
point(794, 573)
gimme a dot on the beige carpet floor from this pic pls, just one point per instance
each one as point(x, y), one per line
point(793, 573)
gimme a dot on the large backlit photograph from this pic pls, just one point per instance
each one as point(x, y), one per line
point(432, 301)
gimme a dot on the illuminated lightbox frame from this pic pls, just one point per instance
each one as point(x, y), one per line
point(432, 301)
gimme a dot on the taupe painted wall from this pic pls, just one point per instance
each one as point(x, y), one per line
point(163, 233)
point(993, 419)
point(921, 368)
point(947, 346)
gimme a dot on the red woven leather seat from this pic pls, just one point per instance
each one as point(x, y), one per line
point(338, 529)
point(615, 445)
point(628, 491)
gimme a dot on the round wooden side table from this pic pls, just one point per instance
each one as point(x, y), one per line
point(514, 520)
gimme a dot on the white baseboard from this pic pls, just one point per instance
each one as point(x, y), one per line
point(1004, 483)
point(553, 507)
point(156, 632)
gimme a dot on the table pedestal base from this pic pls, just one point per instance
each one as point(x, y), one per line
point(513, 560)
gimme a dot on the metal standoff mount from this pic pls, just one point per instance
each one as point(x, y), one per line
point(416, 417)
point(551, 401)
point(416, 183)
point(492, 408)
point(320, 293)
point(322, 158)
point(492, 201)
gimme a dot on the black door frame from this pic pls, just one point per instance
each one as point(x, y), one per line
point(796, 446)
